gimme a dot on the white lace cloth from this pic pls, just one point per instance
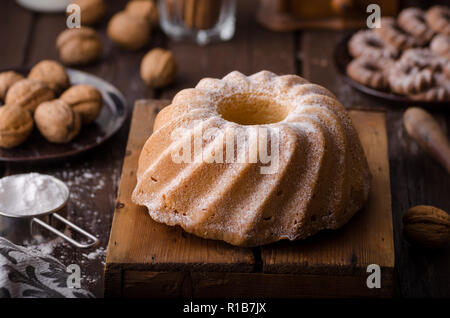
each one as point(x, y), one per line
point(25, 273)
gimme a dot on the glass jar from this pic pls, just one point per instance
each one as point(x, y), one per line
point(203, 21)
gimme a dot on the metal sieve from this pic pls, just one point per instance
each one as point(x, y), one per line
point(20, 228)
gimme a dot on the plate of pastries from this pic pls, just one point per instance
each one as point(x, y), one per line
point(407, 59)
point(50, 112)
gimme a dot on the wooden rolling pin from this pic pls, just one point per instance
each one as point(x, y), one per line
point(422, 127)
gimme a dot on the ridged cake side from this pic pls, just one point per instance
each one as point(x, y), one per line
point(321, 181)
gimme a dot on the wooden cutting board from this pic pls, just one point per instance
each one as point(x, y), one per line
point(145, 258)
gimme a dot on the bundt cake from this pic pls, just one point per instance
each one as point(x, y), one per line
point(253, 160)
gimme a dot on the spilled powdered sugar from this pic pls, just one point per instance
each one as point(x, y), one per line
point(83, 208)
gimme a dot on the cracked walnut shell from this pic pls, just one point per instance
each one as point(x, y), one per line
point(92, 11)
point(52, 73)
point(427, 226)
point(79, 46)
point(28, 94)
point(57, 122)
point(85, 100)
point(16, 125)
point(144, 9)
point(158, 68)
point(8, 79)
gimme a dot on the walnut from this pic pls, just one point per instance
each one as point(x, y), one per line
point(427, 226)
point(92, 11)
point(7, 79)
point(16, 125)
point(57, 122)
point(158, 68)
point(144, 9)
point(129, 31)
point(28, 94)
point(52, 73)
point(79, 46)
point(85, 100)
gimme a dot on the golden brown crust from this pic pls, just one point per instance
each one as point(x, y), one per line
point(16, 125)
point(320, 153)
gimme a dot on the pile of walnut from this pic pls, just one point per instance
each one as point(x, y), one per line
point(130, 29)
point(408, 55)
point(45, 98)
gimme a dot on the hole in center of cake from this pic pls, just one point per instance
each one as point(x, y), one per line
point(252, 110)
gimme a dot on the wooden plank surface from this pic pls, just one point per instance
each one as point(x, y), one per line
point(241, 285)
point(366, 239)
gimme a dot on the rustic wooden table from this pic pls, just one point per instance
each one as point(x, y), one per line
point(415, 177)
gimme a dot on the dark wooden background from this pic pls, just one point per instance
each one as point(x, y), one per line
point(415, 177)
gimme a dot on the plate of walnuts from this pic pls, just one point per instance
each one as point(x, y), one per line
point(406, 60)
point(50, 112)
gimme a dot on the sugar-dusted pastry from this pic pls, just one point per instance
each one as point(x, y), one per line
point(367, 42)
point(408, 79)
point(438, 18)
point(16, 125)
point(8, 79)
point(204, 168)
point(440, 45)
point(434, 93)
point(412, 20)
point(57, 122)
point(421, 58)
point(369, 71)
point(28, 94)
point(52, 73)
point(393, 34)
point(85, 100)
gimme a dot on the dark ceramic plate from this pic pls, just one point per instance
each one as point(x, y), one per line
point(342, 57)
point(112, 117)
